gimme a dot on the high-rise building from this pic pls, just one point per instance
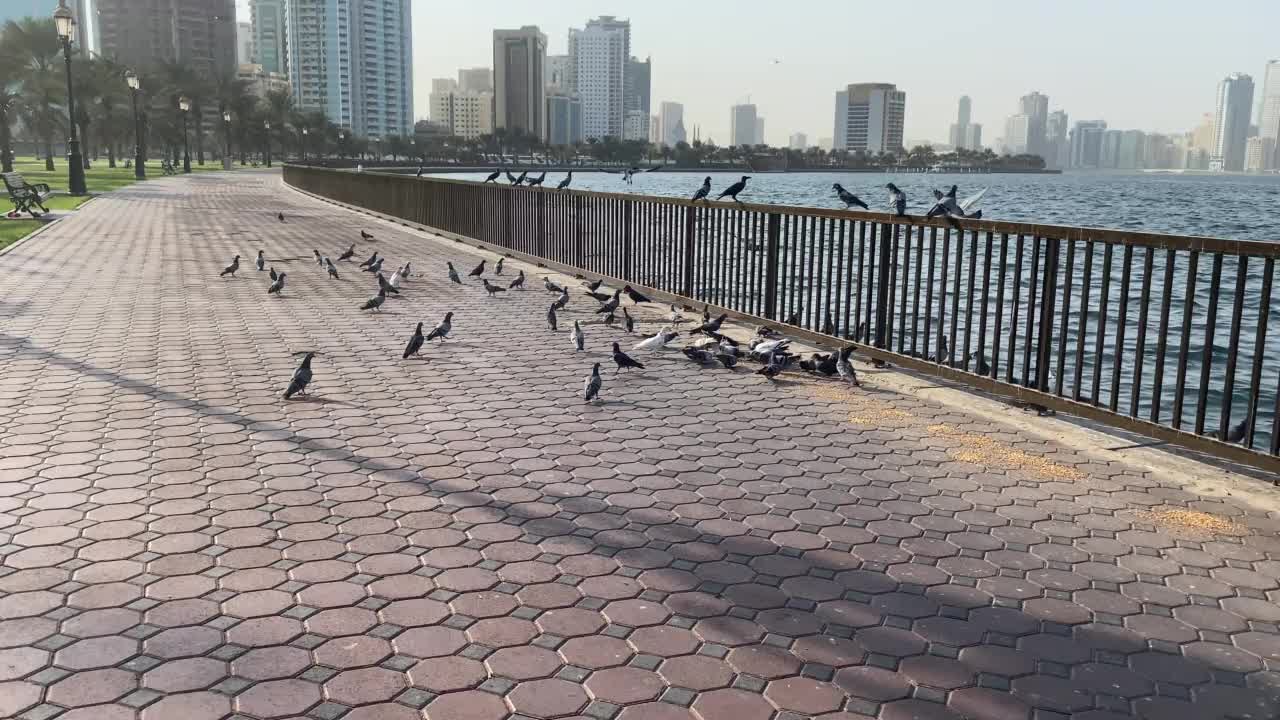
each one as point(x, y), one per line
point(973, 137)
point(244, 43)
point(655, 130)
point(479, 79)
point(671, 123)
point(1258, 153)
point(558, 74)
point(635, 125)
point(759, 138)
point(599, 55)
point(1269, 119)
point(270, 41)
point(1017, 131)
point(1231, 122)
point(1057, 149)
point(1086, 144)
point(1109, 154)
point(637, 83)
point(742, 125)
point(519, 80)
point(465, 113)
point(199, 33)
point(564, 119)
point(798, 141)
point(960, 128)
point(869, 118)
point(1036, 107)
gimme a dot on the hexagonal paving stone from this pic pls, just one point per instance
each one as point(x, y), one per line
point(547, 698)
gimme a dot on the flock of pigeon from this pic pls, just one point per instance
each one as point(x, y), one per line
point(708, 346)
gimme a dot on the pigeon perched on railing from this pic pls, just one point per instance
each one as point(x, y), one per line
point(703, 191)
point(733, 190)
point(848, 198)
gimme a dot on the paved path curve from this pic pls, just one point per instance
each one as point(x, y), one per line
point(461, 538)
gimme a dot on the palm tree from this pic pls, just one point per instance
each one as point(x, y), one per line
point(232, 94)
point(9, 97)
point(34, 43)
point(278, 108)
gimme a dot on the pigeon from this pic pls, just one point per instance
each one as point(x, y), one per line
point(794, 317)
point(523, 175)
point(623, 360)
point(511, 178)
point(897, 200)
point(453, 274)
point(280, 217)
point(594, 286)
point(828, 325)
point(591, 388)
point(579, 339)
point(565, 182)
point(946, 205)
point(421, 170)
point(628, 322)
point(365, 236)
point(636, 297)
point(698, 355)
point(550, 286)
point(406, 271)
point(1236, 432)
point(612, 305)
point(493, 176)
point(272, 274)
point(278, 286)
point(372, 259)
point(232, 268)
point(375, 268)
point(710, 326)
point(415, 343)
point(331, 268)
point(385, 286)
point(491, 288)
point(350, 253)
point(563, 300)
point(375, 302)
point(727, 360)
point(319, 260)
point(706, 312)
point(733, 190)
point(261, 262)
point(769, 347)
point(551, 317)
point(301, 378)
point(477, 271)
point(675, 318)
point(848, 198)
point(518, 283)
point(443, 329)
point(703, 191)
point(497, 269)
point(766, 332)
point(394, 280)
point(601, 297)
point(610, 319)
point(770, 371)
point(845, 368)
point(536, 182)
point(656, 342)
point(828, 364)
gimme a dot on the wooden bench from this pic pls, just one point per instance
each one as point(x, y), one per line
point(168, 168)
point(25, 196)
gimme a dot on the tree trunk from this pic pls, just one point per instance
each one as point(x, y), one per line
point(111, 156)
point(48, 154)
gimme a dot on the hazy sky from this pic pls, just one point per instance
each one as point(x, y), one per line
point(1134, 63)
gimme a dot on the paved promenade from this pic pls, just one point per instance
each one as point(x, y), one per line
point(460, 537)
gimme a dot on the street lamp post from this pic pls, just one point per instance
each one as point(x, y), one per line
point(342, 145)
point(66, 23)
point(304, 145)
point(226, 139)
point(139, 163)
point(266, 125)
point(184, 104)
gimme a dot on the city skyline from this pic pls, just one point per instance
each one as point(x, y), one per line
point(1168, 91)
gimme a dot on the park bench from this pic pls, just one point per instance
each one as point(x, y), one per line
point(168, 168)
point(25, 196)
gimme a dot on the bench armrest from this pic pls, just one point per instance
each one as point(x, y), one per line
point(40, 188)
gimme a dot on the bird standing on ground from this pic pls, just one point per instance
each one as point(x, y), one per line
point(710, 326)
point(443, 329)
point(493, 176)
point(733, 190)
point(491, 288)
point(845, 368)
point(636, 297)
point(319, 260)
point(415, 343)
point(385, 286)
point(375, 268)
point(406, 271)
point(278, 286)
point(594, 286)
point(280, 217)
point(371, 260)
point(518, 283)
point(656, 342)
point(301, 378)
point(394, 280)
point(628, 322)
point(848, 198)
point(551, 317)
point(497, 269)
point(232, 268)
point(622, 360)
point(591, 388)
point(261, 262)
point(350, 253)
point(550, 286)
point(331, 268)
point(477, 271)
point(375, 302)
point(828, 325)
point(272, 274)
point(703, 191)
point(897, 200)
point(577, 337)
point(365, 236)
point(563, 300)
point(453, 274)
point(565, 182)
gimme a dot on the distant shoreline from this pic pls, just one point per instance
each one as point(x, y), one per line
point(457, 169)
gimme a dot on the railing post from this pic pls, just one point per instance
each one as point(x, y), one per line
point(627, 207)
point(1048, 297)
point(508, 229)
point(541, 249)
point(577, 232)
point(773, 248)
point(883, 281)
point(690, 225)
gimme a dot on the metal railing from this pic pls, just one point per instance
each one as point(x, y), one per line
point(1173, 337)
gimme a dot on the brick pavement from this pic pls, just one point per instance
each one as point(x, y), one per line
point(461, 538)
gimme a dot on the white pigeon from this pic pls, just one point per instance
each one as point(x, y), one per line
point(675, 316)
point(395, 280)
point(767, 347)
point(657, 342)
point(577, 337)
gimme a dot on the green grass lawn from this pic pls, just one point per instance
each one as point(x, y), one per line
point(12, 231)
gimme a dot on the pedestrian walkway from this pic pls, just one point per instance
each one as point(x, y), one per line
point(460, 537)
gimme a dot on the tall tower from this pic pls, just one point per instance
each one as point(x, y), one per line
point(598, 60)
point(1231, 122)
point(519, 80)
